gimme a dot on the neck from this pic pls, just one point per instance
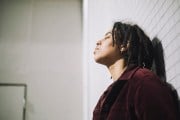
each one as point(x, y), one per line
point(117, 68)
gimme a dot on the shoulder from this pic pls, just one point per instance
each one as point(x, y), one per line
point(147, 80)
point(144, 73)
point(150, 96)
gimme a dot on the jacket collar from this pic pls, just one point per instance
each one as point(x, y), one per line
point(129, 72)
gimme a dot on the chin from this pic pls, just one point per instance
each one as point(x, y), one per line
point(96, 60)
point(99, 60)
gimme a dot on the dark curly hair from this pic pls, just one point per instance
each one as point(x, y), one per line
point(140, 50)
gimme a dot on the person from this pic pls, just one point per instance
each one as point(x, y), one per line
point(136, 93)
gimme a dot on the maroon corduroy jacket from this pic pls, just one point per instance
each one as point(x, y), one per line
point(137, 95)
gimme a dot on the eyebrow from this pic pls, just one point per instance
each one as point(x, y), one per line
point(108, 33)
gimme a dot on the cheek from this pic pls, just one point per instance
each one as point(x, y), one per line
point(106, 54)
point(110, 51)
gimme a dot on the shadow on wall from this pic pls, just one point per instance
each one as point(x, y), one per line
point(159, 68)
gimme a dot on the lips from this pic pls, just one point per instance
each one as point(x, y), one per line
point(96, 49)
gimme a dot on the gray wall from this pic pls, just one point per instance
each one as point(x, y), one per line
point(41, 46)
point(159, 18)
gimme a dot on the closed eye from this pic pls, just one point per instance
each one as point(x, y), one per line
point(107, 37)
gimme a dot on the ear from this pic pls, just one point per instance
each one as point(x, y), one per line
point(124, 48)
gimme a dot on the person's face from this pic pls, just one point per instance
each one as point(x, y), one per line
point(105, 53)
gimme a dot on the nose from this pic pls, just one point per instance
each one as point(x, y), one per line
point(98, 42)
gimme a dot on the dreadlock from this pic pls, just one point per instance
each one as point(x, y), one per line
point(140, 51)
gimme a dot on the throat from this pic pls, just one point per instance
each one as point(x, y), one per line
point(117, 69)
